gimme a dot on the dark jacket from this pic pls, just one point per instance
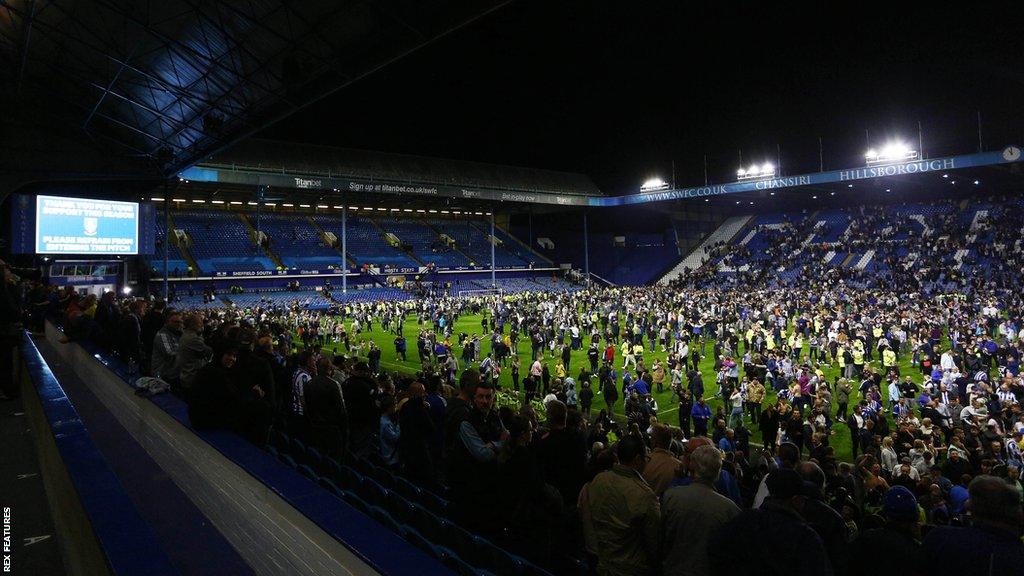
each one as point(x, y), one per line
point(774, 540)
point(129, 334)
point(563, 457)
point(326, 415)
point(885, 552)
point(414, 443)
point(213, 403)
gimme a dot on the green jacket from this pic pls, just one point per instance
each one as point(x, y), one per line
point(624, 516)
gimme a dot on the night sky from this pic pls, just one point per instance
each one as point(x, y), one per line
point(620, 90)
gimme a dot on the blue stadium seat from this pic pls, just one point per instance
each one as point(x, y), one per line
point(361, 465)
point(330, 486)
point(381, 515)
point(314, 459)
point(459, 565)
point(286, 459)
point(373, 492)
point(298, 450)
point(455, 537)
point(407, 489)
point(355, 501)
point(280, 440)
point(272, 451)
point(383, 476)
point(434, 503)
point(307, 471)
point(501, 561)
point(399, 507)
point(331, 469)
point(417, 539)
point(424, 520)
point(348, 478)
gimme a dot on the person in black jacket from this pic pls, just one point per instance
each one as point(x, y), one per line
point(893, 548)
point(527, 506)
point(257, 390)
point(417, 430)
point(364, 417)
point(213, 403)
point(326, 412)
point(773, 539)
point(151, 323)
point(264, 349)
point(563, 454)
point(130, 333)
point(828, 524)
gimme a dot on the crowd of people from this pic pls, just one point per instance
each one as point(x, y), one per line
point(937, 449)
point(933, 485)
point(954, 246)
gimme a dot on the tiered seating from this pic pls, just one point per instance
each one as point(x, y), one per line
point(308, 299)
point(426, 244)
point(509, 253)
point(516, 285)
point(365, 244)
point(370, 295)
point(175, 259)
point(869, 244)
point(221, 242)
point(195, 302)
point(418, 515)
point(557, 285)
point(297, 242)
point(473, 243)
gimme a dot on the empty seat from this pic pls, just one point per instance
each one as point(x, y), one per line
point(417, 539)
point(381, 515)
point(407, 489)
point(373, 492)
point(314, 459)
point(307, 471)
point(353, 499)
point(330, 486)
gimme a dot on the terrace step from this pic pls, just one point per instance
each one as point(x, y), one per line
point(270, 253)
point(320, 229)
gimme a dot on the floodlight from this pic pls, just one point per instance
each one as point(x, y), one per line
point(894, 151)
point(756, 171)
point(653, 184)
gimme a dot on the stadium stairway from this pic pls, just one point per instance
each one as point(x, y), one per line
point(186, 253)
point(320, 229)
point(726, 232)
point(541, 259)
point(252, 234)
point(383, 236)
point(455, 247)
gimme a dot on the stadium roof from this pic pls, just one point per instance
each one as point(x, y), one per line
point(315, 160)
point(144, 89)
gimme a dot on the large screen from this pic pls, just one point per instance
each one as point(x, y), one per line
point(86, 226)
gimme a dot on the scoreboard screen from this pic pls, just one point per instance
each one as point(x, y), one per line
point(86, 226)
